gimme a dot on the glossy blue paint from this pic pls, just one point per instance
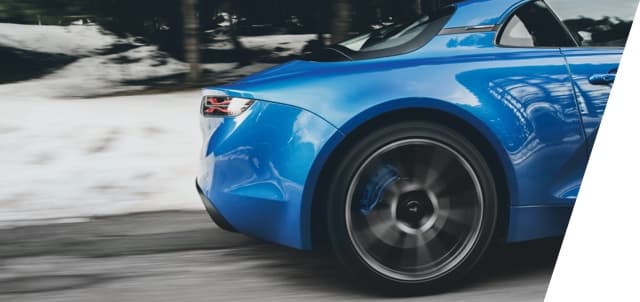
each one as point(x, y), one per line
point(534, 222)
point(261, 169)
point(255, 175)
point(592, 98)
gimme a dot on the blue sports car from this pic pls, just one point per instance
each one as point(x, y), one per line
point(410, 149)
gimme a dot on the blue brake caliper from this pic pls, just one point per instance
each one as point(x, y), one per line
point(375, 188)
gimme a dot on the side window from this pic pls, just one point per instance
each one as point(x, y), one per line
point(534, 25)
point(516, 34)
point(597, 23)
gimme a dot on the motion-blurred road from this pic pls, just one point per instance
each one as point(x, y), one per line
point(182, 256)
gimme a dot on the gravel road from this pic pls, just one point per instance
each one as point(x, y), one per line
point(182, 256)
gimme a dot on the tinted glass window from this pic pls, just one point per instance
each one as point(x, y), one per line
point(393, 39)
point(597, 22)
point(387, 37)
point(516, 34)
point(534, 25)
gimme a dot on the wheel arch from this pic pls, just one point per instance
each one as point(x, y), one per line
point(460, 120)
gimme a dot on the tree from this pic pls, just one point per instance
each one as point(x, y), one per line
point(243, 55)
point(319, 20)
point(341, 15)
point(417, 7)
point(191, 39)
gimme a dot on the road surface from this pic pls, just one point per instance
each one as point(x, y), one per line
point(182, 256)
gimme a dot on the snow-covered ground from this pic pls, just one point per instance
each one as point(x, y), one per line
point(93, 73)
point(283, 45)
point(99, 73)
point(290, 44)
point(102, 74)
point(67, 40)
point(65, 158)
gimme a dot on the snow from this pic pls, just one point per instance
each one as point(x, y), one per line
point(290, 44)
point(292, 41)
point(67, 159)
point(93, 73)
point(104, 74)
point(69, 40)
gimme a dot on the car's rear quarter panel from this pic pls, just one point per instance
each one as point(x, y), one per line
point(255, 166)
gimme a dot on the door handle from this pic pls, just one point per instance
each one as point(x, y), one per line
point(602, 79)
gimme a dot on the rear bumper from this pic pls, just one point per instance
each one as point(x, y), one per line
point(258, 171)
point(213, 212)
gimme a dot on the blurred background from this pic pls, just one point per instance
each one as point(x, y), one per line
point(76, 78)
point(146, 44)
point(99, 147)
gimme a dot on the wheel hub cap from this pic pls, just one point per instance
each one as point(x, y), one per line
point(414, 208)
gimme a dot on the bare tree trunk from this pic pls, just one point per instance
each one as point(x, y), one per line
point(243, 55)
point(432, 6)
point(235, 40)
point(191, 41)
point(340, 20)
point(319, 20)
point(418, 7)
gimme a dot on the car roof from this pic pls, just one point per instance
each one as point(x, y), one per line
point(471, 13)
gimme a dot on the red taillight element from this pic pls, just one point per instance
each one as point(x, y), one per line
point(221, 106)
point(216, 105)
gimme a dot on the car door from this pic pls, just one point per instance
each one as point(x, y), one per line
point(601, 29)
point(557, 157)
point(593, 72)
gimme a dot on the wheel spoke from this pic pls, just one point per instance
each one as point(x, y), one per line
point(450, 180)
point(422, 253)
point(438, 165)
point(379, 224)
point(460, 216)
point(464, 198)
point(436, 247)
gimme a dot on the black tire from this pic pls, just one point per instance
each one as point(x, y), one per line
point(388, 221)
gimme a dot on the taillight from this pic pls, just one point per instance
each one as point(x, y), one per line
point(221, 106)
